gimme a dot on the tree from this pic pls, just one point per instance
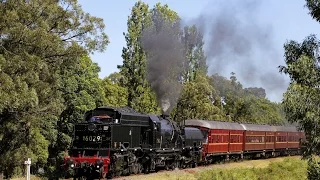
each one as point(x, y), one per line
point(301, 100)
point(314, 9)
point(116, 95)
point(40, 43)
point(192, 40)
point(115, 78)
point(134, 62)
point(80, 94)
point(197, 101)
point(134, 70)
point(258, 92)
point(245, 105)
point(302, 96)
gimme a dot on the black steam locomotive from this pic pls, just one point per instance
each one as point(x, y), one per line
point(120, 141)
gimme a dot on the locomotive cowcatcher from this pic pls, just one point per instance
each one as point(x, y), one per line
point(120, 141)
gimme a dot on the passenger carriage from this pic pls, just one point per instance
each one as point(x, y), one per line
point(287, 140)
point(233, 140)
point(224, 139)
point(258, 139)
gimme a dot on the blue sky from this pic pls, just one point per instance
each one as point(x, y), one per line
point(288, 19)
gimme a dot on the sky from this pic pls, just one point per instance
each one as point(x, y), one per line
point(281, 20)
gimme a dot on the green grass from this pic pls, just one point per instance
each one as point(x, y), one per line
point(287, 168)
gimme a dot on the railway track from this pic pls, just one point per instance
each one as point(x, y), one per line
point(190, 172)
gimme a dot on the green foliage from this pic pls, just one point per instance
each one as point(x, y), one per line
point(192, 39)
point(258, 92)
point(302, 97)
point(116, 95)
point(313, 168)
point(197, 101)
point(314, 9)
point(246, 105)
point(39, 56)
point(164, 10)
point(133, 69)
point(80, 93)
point(301, 101)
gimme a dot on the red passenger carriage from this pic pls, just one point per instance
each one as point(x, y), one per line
point(234, 140)
point(258, 137)
point(287, 139)
point(223, 138)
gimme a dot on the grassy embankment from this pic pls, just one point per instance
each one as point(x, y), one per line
point(287, 168)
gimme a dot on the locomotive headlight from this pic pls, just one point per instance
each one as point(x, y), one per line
point(105, 128)
point(70, 162)
point(72, 165)
point(99, 163)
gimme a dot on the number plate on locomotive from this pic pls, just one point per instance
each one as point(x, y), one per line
point(92, 138)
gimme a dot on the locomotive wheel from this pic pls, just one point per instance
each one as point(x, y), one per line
point(110, 175)
point(102, 174)
point(140, 168)
point(135, 168)
point(194, 165)
point(146, 169)
point(173, 166)
point(167, 167)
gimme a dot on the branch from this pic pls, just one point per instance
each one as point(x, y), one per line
point(75, 36)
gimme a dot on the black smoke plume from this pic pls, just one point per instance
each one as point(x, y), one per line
point(165, 60)
point(236, 42)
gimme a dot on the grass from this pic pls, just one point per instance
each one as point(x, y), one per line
point(286, 168)
point(32, 177)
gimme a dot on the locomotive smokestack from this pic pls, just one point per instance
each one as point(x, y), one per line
point(165, 105)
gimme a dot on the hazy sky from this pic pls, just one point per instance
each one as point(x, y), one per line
point(282, 19)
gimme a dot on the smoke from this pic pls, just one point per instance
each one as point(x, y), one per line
point(165, 61)
point(236, 42)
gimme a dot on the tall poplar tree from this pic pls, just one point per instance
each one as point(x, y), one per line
point(193, 42)
point(140, 95)
point(133, 69)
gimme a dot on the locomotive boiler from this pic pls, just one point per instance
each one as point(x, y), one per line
point(120, 141)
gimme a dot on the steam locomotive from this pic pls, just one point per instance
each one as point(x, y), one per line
point(120, 141)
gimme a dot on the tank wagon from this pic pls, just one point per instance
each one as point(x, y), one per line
point(120, 141)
